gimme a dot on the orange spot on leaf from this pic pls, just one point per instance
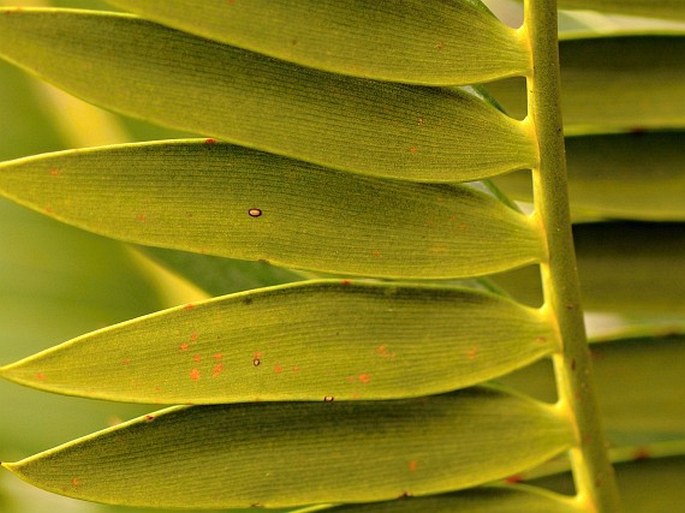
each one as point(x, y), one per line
point(345, 282)
point(141, 218)
point(278, 368)
point(218, 369)
point(149, 418)
point(472, 353)
point(197, 358)
point(209, 141)
point(54, 172)
point(383, 351)
point(413, 465)
point(365, 378)
point(75, 481)
point(413, 150)
point(189, 306)
point(183, 347)
point(516, 478)
point(195, 374)
point(218, 356)
point(40, 376)
point(376, 253)
point(193, 337)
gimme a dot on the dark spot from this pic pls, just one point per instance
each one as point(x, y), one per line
point(405, 495)
point(641, 454)
point(247, 300)
point(573, 364)
point(516, 478)
point(149, 418)
point(328, 399)
point(638, 130)
point(209, 141)
point(256, 362)
point(345, 282)
point(254, 212)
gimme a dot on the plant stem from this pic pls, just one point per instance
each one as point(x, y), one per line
point(592, 470)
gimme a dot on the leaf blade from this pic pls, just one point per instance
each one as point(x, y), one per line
point(138, 463)
point(635, 176)
point(668, 9)
point(614, 83)
point(345, 123)
point(444, 44)
point(244, 204)
point(313, 341)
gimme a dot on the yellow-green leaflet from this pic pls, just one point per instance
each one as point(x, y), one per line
point(288, 454)
point(640, 387)
point(614, 83)
point(415, 41)
point(653, 8)
point(637, 176)
point(488, 499)
point(647, 485)
point(230, 201)
point(173, 78)
point(624, 267)
point(312, 341)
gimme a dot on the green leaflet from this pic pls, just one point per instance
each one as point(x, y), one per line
point(218, 276)
point(229, 201)
point(653, 8)
point(624, 267)
point(647, 485)
point(640, 387)
point(637, 176)
point(58, 282)
point(618, 83)
point(346, 123)
point(415, 41)
point(479, 500)
point(311, 341)
point(285, 454)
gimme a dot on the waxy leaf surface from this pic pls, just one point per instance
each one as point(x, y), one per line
point(638, 176)
point(415, 41)
point(614, 83)
point(287, 454)
point(173, 78)
point(316, 341)
point(229, 201)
